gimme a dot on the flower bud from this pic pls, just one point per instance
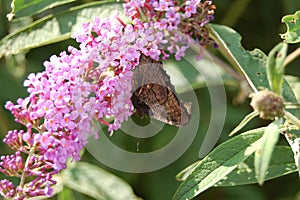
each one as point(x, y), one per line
point(268, 104)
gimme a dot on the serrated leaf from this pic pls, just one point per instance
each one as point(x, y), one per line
point(264, 152)
point(220, 162)
point(244, 122)
point(282, 163)
point(292, 22)
point(275, 67)
point(25, 8)
point(96, 182)
point(251, 64)
point(56, 27)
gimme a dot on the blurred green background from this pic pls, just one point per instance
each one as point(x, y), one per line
point(259, 23)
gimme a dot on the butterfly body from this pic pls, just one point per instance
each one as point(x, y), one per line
point(154, 95)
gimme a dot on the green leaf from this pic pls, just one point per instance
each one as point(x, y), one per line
point(294, 141)
point(182, 175)
point(244, 122)
point(292, 22)
point(275, 67)
point(220, 162)
point(25, 8)
point(294, 82)
point(251, 64)
point(282, 163)
point(96, 182)
point(57, 27)
point(292, 119)
point(66, 193)
point(264, 152)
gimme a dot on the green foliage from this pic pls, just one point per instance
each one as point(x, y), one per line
point(66, 193)
point(275, 67)
point(251, 64)
point(96, 182)
point(293, 28)
point(220, 162)
point(264, 152)
point(55, 27)
point(244, 122)
point(282, 163)
point(25, 8)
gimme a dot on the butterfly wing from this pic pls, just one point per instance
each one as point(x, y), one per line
point(154, 95)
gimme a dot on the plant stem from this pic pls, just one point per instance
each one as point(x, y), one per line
point(292, 118)
point(292, 56)
point(23, 177)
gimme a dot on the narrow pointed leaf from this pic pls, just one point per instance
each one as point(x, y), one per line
point(275, 67)
point(282, 163)
point(244, 122)
point(220, 162)
point(263, 154)
point(292, 22)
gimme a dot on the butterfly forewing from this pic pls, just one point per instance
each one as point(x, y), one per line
point(154, 95)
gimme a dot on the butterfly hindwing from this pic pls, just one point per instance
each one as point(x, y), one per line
point(154, 95)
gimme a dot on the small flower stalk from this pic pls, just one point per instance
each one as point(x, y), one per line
point(267, 104)
point(92, 82)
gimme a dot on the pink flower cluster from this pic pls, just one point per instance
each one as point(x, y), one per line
point(178, 24)
point(92, 82)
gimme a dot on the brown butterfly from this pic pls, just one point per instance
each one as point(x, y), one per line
point(154, 95)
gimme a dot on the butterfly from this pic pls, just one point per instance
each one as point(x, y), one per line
point(155, 96)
